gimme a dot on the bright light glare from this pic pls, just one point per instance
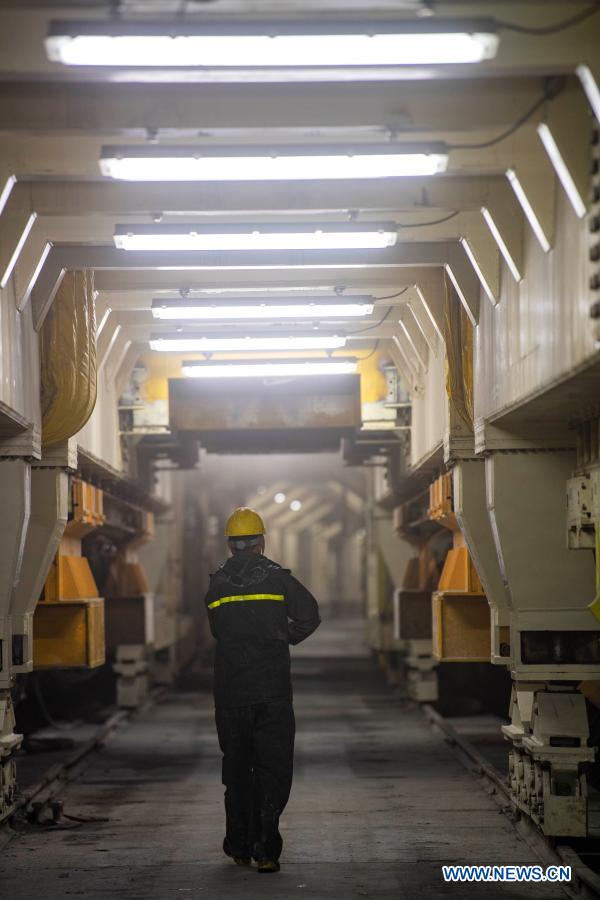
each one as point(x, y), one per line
point(591, 88)
point(17, 250)
point(271, 168)
point(295, 505)
point(489, 219)
point(263, 51)
point(259, 240)
point(473, 260)
point(562, 170)
point(6, 190)
point(279, 497)
point(263, 311)
point(460, 293)
point(225, 345)
point(263, 370)
point(529, 211)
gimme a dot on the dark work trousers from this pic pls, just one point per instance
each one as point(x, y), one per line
point(257, 743)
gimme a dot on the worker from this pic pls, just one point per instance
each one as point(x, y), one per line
point(256, 609)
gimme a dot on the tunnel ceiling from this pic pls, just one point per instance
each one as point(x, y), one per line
point(62, 213)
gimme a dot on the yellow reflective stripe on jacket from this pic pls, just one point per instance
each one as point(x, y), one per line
point(239, 598)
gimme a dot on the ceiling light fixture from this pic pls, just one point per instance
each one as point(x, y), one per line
point(201, 344)
point(268, 369)
point(272, 163)
point(238, 308)
point(312, 236)
point(271, 44)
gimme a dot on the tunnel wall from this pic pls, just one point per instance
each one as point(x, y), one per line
point(429, 409)
point(541, 328)
point(19, 358)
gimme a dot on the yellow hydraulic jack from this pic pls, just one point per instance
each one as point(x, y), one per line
point(68, 625)
point(461, 614)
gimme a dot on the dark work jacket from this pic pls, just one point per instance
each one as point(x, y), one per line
point(256, 610)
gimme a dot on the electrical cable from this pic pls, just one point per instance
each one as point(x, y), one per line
point(369, 355)
point(375, 325)
point(383, 318)
point(576, 19)
point(391, 296)
point(434, 222)
point(552, 89)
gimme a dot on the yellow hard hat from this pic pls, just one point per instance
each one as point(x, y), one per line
point(243, 522)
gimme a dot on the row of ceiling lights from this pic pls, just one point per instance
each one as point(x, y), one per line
point(245, 45)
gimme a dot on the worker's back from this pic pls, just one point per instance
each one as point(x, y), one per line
point(256, 610)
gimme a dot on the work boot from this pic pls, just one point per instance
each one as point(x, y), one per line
point(240, 859)
point(266, 866)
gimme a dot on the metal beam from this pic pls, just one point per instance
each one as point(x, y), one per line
point(409, 326)
point(569, 128)
point(372, 281)
point(465, 280)
point(7, 182)
point(432, 295)
point(64, 257)
point(506, 222)
point(136, 110)
point(483, 253)
point(303, 521)
point(16, 222)
point(110, 198)
point(418, 310)
point(403, 357)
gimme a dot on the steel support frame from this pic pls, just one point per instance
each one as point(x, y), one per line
point(66, 257)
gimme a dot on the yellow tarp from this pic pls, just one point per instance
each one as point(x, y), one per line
point(458, 335)
point(68, 359)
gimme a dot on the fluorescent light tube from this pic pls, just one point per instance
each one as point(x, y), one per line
point(241, 309)
point(562, 170)
point(312, 236)
point(536, 225)
point(272, 163)
point(266, 369)
point(272, 44)
point(190, 344)
point(489, 220)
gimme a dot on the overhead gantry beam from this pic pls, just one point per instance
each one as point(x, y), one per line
point(118, 198)
point(67, 257)
point(418, 198)
point(468, 228)
point(137, 110)
point(50, 212)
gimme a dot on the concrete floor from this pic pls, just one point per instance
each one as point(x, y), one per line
point(379, 804)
